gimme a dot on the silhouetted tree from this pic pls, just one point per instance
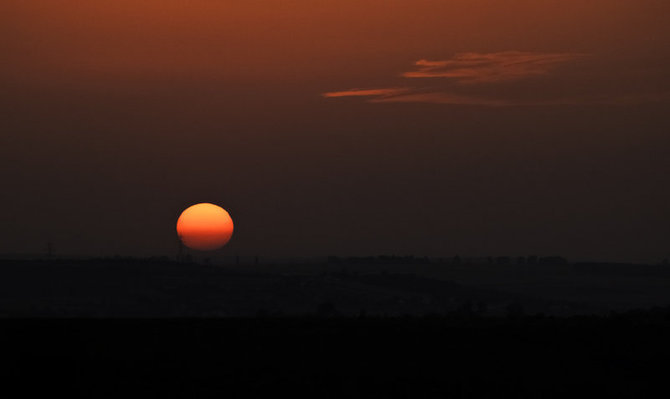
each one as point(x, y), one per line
point(503, 260)
point(515, 310)
point(553, 260)
point(466, 309)
point(326, 309)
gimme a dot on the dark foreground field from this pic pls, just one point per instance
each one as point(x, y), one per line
point(445, 357)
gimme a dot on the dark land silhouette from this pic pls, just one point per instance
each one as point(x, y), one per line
point(345, 328)
point(378, 286)
point(449, 356)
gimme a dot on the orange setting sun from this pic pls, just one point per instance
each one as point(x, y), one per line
point(204, 227)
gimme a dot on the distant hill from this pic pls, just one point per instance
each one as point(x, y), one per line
point(128, 287)
point(161, 288)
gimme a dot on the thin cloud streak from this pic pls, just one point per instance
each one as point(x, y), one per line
point(442, 98)
point(409, 95)
point(367, 92)
point(472, 68)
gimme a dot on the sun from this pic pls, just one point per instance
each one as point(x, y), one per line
point(204, 227)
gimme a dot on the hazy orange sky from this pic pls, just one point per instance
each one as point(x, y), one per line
point(474, 127)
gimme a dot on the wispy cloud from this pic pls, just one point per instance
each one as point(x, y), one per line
point(491, 67)
point(472, 79)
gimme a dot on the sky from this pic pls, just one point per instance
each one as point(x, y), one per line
point(346, 127)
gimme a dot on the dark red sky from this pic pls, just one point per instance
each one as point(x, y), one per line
point(421, 127)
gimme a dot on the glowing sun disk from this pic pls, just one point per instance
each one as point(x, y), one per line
point(205, 227)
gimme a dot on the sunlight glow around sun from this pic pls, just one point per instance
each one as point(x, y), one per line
point(204, 227)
